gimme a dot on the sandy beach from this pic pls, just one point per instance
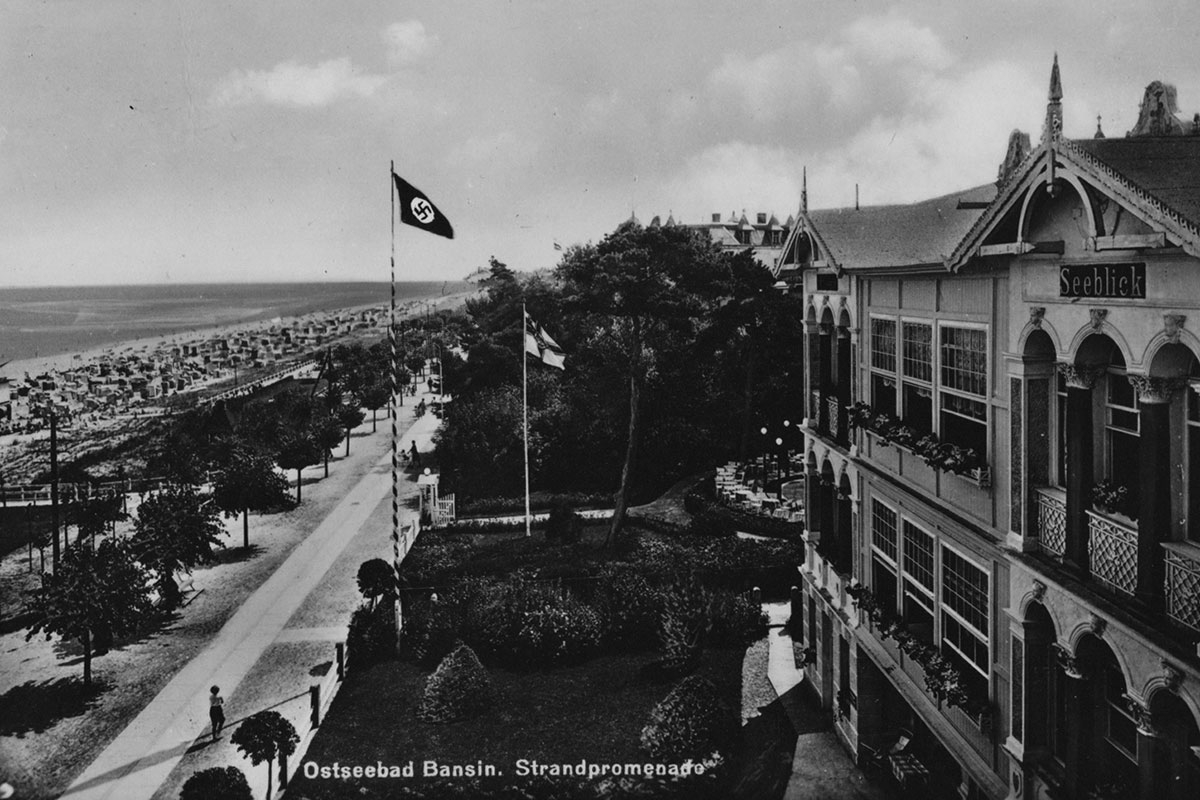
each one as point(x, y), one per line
point(62, 362)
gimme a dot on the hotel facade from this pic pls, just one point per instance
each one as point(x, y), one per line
point(1001, 587)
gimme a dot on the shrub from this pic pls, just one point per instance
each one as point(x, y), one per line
point(372, 636)
point(709, 523)
point(564, 525)
point(458, 689)
point(227, 783)
point(734, 620)
point(565, 633)
point(629, 608)
point(431, 630)
point(690, 722)
point(681, 630)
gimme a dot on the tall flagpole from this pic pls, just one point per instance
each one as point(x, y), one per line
point(525, 411)
point(395, 412)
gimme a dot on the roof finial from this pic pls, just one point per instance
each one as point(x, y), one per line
point(856, 197)
point(804, 190)
point(1053, 127)
point(1099, 130)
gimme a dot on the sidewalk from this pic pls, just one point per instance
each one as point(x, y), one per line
point(142, 756)
point(821, 768)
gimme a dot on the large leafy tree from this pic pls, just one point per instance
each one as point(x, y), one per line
point(638, 289)
point(266, 736)
point(349, 416)
point(176, 529)
point(374, 396)
point(93, 593)
point(248, 483)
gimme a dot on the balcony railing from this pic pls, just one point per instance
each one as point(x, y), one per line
point(1112, 550)
point(1183, 585)
point(814, 408)
point(835, 408)
point(1052, 521)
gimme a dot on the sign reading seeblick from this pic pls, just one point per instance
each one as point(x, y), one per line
point(1103, 280)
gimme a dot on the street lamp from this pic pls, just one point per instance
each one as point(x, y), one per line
point(763, 431)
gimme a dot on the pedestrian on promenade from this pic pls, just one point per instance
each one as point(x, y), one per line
point(216, 711)
point(416, 456)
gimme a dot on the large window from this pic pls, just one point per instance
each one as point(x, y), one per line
point(883, 365)
point(884, 554)
point(1193, 467)
point(917, 370)
point(1121, 432)
point(962, 403)
point(918, 582)
point(965, 614)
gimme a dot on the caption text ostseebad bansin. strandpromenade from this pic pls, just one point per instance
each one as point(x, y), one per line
point(522, 767)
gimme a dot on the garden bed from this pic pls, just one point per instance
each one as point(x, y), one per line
point(591, 712)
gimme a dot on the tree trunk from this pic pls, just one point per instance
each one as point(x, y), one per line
point(347, 442)
point(374, 420)
point(246, 528)
point(618, 519)
point(87, 657)
point(298, 484)
point(270, 771)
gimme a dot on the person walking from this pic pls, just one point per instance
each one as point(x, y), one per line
point(216, 711)
point(416, 456)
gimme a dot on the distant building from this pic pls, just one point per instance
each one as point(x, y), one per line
point(763, 236)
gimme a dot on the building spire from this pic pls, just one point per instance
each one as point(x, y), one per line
point(1053, 128)
point(804, 190)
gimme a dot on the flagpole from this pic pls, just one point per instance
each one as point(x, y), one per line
point(395, 412)
point(525, 411)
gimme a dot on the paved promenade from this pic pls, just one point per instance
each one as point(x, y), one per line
point(252, 658)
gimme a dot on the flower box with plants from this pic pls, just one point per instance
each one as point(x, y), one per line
point(943, 679)
point(1110, 497)
point(941, 456)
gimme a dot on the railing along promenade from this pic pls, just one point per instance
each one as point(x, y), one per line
point(35, 494)
point(264, 380)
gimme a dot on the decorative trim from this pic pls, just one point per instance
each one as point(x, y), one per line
point(1070, 665)
point(1172, 677)
point(1173, 326)
point(1038, 591)
point(1155, 390)
point(1098, 625)
point(1142, 716)
point(1036, 315)
point(1098, 315)
point(1080, 376)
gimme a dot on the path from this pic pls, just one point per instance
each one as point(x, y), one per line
point(821, 767)
point(142, 757)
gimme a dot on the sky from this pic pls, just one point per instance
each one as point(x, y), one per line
point(184, 141)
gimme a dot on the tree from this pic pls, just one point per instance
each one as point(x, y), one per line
point(226, 783)
point(374, 396)
point(297, 451)
point(376, 578)
point(94, 516)
point(248, 483)
point(325, 431)
point(94, 592)
point(641, 287)
point(176, 529)
point(349, 417)
point(263, 737)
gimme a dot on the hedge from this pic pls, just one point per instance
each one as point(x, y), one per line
point(458, 689)
point(691, 722)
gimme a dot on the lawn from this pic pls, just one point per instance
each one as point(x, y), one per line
point(593, 711)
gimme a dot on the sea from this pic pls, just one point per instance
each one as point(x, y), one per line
point(51, 321)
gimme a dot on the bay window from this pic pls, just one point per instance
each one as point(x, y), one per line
point(917, 371)
point(965, 619)
point(883, 365)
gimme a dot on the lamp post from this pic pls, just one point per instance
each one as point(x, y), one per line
point(779, 449)
point(763, 431)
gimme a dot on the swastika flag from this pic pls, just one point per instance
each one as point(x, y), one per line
point(416, 210)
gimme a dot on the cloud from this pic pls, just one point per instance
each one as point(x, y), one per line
point(296, 85)
point(733, 176)
point(3, 134)
point(408, 42)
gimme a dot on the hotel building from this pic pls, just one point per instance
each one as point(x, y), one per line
point(1002, 577)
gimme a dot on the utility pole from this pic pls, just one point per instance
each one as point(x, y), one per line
point(54, 553)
